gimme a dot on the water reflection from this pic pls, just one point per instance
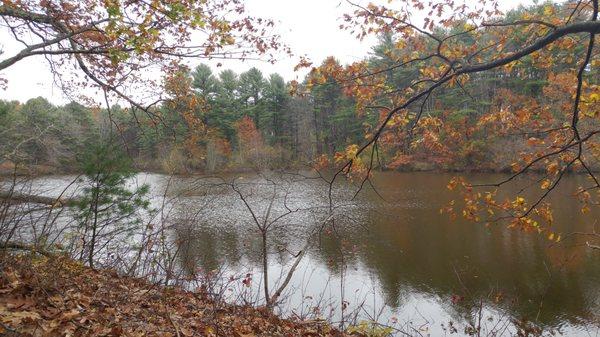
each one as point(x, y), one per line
point(410, 250)
point(399, 251)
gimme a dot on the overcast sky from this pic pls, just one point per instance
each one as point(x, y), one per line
point(309, 27)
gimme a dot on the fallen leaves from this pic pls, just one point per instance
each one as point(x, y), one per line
point(55, 296)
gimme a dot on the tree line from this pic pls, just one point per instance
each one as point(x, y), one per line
point(217, 121)
point(212, 121)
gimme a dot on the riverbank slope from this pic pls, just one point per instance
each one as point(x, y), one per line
point(56, 296)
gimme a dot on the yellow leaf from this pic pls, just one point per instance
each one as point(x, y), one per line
point(546, 184)
point(519, 201)
point(209, 331)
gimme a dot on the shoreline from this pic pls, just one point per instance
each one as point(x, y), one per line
point(35, 172)
point(54, 294)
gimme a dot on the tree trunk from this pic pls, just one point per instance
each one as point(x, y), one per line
point(265, 268)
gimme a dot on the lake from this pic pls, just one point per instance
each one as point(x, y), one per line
point(390, 256)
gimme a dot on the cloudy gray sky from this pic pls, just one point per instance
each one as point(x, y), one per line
point(309, 27)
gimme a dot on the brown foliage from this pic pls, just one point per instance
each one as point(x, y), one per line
point(55, 296)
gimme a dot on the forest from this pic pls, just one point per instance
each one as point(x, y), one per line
point(444, 183)
point(256, 121)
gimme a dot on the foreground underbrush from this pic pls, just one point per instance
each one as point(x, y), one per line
point(56, 296)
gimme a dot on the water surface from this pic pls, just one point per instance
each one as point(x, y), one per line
point(391, 256)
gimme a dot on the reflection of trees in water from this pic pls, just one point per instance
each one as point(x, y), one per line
point(198, 249)
point(410, 247)
point(417, 249)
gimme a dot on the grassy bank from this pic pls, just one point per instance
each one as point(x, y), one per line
point(56, 296)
